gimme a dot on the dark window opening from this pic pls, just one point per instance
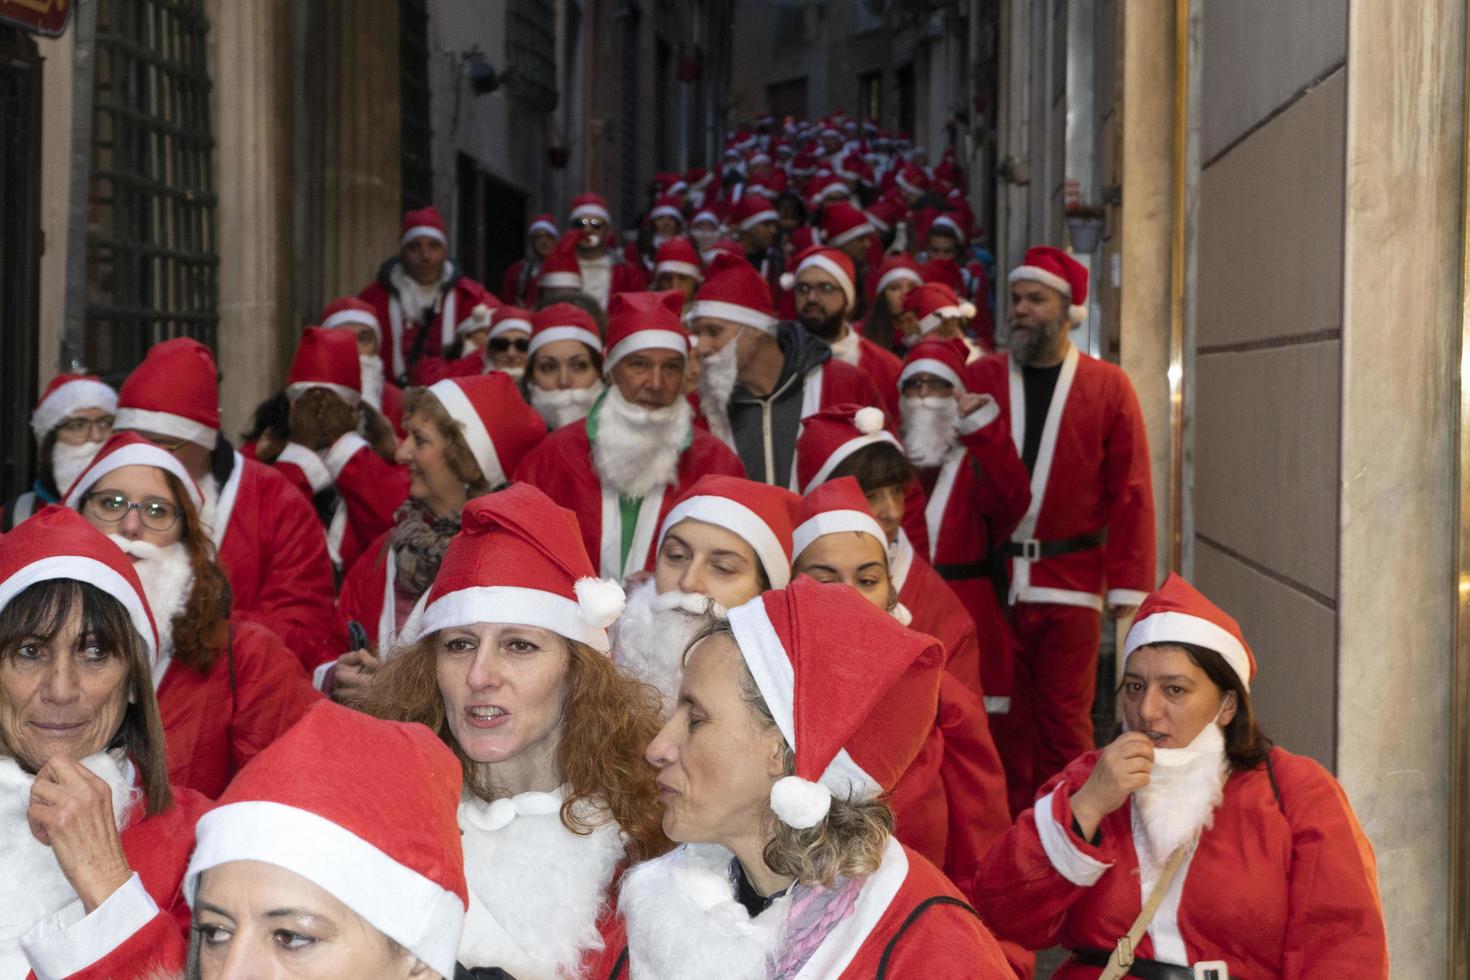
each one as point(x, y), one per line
point(492, 224)
point(20, 196)
point(416, 174)
point(870, 95)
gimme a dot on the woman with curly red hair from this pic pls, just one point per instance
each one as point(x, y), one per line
point(511, 669)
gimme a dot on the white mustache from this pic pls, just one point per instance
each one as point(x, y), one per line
point(138, 549)
point(688, 602)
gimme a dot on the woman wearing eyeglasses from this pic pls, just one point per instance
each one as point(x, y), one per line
point(71, 421)
point(225, 689)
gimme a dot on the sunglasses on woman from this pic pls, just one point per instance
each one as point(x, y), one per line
point(499, 345)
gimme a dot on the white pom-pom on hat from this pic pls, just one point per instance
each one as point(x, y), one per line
point(481, 313)
point(868, 420)
point(600, 601)
point(800, 803)
point(788, 281)
point(967, 310)
point(1076, 313)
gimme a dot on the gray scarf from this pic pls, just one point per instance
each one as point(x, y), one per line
point(418, 540)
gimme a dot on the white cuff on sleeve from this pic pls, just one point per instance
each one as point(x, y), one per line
point(309, 463)
point(62, 944)
point(1126, 597)
point(343, 450)
point(1071, 863)
point(970, 424)
point(319, 676)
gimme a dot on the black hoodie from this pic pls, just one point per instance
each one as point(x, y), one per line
point(766, 428)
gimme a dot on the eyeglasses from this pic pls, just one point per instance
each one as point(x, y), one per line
point(172, 445)
point(924, 387)
point(80, 428)
point(112, 508)
point(499, 345)
point(591, 224)
point(824, 288)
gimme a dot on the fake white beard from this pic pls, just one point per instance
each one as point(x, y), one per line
point(718, 373)
point(1184, 788)
point(67, 462)
point(638, 448)
point(167, 581)
point(928, 427)
point(650, 637)
point(563, 406)
point(370, 373)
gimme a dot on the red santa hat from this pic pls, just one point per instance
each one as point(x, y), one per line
point(913, 179)
point(677, 257)
point(590, 205)
point(946, 272)
point(507, 318)
point(751, 210)
point(706, 215)
point(542, 222)
point(896, 268)
point(761, 515)
point(57, 543)
point(563, 321)
point(561, 270)
point(667, 207)
point(326, 359)
point(835, 262)
point(1055, 268)
point(349, 311)
point(824, 186)
point(519, 558)
point(1177, 612)
point(832, 435)
point(733, 290)
point(943, 357)
point(842, 223)
point(174, 392)
point(853, 692)
point(364, 809)
point(885, 213)
point(933, 303)
point(477, 319)
point(644, 321)
point(803, 165)
point(130, 449)
point(954, 222)
point(423, 223)
point(835, 506)
point(67, 394)
point(699, 178)
point(497, 424)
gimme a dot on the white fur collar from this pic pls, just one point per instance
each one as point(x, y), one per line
point(537, 889)
point(25, 859)
point(848, 347)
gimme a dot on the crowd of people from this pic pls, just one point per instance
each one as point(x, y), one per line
point(714, 600)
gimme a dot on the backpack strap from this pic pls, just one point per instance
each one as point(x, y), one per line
point(919, 910)
point(620, 966)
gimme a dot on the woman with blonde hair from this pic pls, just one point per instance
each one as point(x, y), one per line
point(511, 670)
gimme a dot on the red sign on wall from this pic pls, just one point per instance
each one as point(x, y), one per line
point(47, 17)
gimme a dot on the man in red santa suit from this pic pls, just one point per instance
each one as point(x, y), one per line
point(1086, 543)
point(518, 287)
point(379, 394)
point(753, 222)
point(602, 270)
point(1254, 857)
point(621, 468)
point(71, 421)
point(267, 538)
point(761, 377)
point(826, 288)
point(353, 489)
point(421, 294)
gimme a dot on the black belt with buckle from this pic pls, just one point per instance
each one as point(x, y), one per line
point(1033, 550)
point(1142, 969)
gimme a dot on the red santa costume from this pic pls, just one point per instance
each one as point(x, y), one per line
point(364, 810)
point(853, 732)
point(141, 927)
point(367, 488)
point(266, 537)
point(880, 365)
point(66, 395)
point(842, 223)
point(518, 285)
point(541, 894)
point(677, 257)
point(603, 275)
point(421, 318)
point(385, 397)
point(500, 429)
point(215, 718)
point(622, 467)
point(1089, 527)
point(1277, 880)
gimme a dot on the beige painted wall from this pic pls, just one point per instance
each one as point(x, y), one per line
point(56, 116)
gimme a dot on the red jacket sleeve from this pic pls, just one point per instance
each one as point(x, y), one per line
point(370, 486)
point(1129, 552)
point(1003, 486)
point(974, 781)
point(271, 692)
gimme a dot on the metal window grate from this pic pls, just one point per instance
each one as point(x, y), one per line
point(151, 260)
point(530, 49)
point(416, 178)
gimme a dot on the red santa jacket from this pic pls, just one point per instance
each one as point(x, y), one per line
point(937, 611)
point(142, 929)
point(1283, 884)
point(391, 300)
point(216, 722)
point(511, 291)
point(274, 552)
point(562, 467)
point(369, 490)
point(881, 366)
point(1091, 476)
point(369, 596)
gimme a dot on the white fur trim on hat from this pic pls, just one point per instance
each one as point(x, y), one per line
point(552, 334)
point(133, 455)
point(459, 407)
point(409, 908)
point(93, 572)
point(932, 322)
point(895, 274)
point(646, 340)
point(591, 211)
point(820, 261)
point(560, 280)
point(166, 424)
point(734, 312)
point(507, 325)
point(929, 365)
point(422, 231)
point(769, 214)
point(71, 396)
point(739, 520)
point(349, 316)
point(479, 319)
point(946, 221)
point(835, 522)
point(876, 222)
point(847, 449)
point(349, 395)
point(856, 231)
point(517, 604)
point(545, 226)
point(666, 211)
point(678, 268)
point(1046, 277)
point(1178, 627)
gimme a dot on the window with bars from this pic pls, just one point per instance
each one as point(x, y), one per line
point(530, 50)
point(151, 260)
